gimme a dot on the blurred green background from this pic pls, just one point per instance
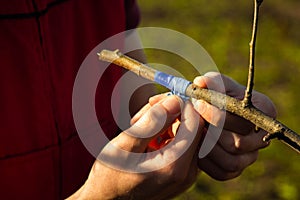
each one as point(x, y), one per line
point(223, 28)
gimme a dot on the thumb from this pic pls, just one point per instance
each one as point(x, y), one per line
point(210, 113)
point(156, 120)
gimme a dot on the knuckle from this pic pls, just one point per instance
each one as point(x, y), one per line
point(238, 143)
point(215, 81)
point(235, 145)
point(231, 146)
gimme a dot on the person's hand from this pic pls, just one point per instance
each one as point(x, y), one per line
point(239, 142)
point(148, 126)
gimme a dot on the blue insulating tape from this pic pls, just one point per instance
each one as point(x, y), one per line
point(177, 85)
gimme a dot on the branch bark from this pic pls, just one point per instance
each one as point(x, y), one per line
point(274, 128)
point(250, 83)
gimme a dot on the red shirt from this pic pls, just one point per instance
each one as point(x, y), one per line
point(42, 44)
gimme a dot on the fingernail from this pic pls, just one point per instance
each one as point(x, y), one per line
point(212, 74)
point(173, 104)
point(200, 81)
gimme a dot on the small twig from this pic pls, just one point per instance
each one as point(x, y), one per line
point(250, 83)
point(222, 101)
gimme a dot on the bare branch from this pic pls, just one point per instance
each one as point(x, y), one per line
point(248, 92)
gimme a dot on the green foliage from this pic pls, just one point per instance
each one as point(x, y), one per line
point(223, 28)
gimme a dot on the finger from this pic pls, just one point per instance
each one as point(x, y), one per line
point(157, 98)
point(238, 144)
point(187, 137)
point(233, 88)
point(220, 83)
point(152, 101)
point(238, 124)
point(190, 124)
point(210, 113)
point(211, 80)
point(140, 113)
point(231, 162)
point(263, 103)
point(214, 171)
point(154, 121)
point(178, 154)
point(182, 169)
point(220, 118)
point(215, 80)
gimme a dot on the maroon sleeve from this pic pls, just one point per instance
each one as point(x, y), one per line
point(42, 45)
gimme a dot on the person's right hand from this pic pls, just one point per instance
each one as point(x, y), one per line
point(178, 168)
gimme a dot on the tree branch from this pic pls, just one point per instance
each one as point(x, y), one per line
point(274, 128)
point(250, 83)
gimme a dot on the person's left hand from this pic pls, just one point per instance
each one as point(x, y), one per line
point(239, 143)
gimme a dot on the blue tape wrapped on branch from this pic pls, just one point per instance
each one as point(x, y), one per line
point(177, 85)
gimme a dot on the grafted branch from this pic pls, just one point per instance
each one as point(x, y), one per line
point(222, 101)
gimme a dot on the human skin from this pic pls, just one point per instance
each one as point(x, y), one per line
point(239, 143)
point(236, 149)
